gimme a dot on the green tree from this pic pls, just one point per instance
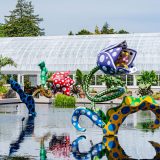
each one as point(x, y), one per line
point(84, 32)
point(70, 33)
point(112, 81)
point(1, 30)
point(145, 81)
point(78, 86)
point(122, 32)
point(111, 31)
point(22, 21)
point(4, 61)
point(79, 77)
point(106, 30)
point(97, 31)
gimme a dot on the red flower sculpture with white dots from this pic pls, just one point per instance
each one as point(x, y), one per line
point(62, 82)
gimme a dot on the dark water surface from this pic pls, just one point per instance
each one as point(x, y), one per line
point(52, 127)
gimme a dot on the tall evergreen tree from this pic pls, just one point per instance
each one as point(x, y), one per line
point(1, 30)
point(97, 31)
point(22, 21)
point(105, 28)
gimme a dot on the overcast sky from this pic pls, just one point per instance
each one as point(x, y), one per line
point(61, 16)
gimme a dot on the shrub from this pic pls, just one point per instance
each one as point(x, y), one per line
point(146, 126)
point(112, 81)
point(93, 90)
point(145, 81)
point(156, 95)
point(63, 101)
point(3, 90)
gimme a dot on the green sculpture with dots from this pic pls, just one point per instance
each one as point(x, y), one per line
point(42, 89)
point(44, 72)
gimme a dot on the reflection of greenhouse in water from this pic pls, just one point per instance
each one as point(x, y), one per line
point(71, 52)
point(56, 122)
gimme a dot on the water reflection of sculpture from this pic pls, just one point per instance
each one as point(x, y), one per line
point(43, 151)
point(109, 147)
point(115, 59)
point(59, 81)
point(60, 146)
point(26, 132)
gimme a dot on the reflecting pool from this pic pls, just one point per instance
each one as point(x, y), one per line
point(51, 133)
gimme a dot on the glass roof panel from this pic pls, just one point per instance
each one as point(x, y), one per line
point(71, 52)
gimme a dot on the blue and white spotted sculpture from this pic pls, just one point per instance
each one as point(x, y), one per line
point(25, 98)
point(90, 114)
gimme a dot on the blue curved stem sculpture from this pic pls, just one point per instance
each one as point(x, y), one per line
point(88, 113)
point(25, 98)
point(114, 117)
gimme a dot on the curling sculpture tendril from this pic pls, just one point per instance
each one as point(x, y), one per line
point(114, 60)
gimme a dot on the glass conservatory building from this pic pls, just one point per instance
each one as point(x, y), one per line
point(62, 53)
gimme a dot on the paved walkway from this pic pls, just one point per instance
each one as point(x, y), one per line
point(17, 100)
point(86, 101)
point(50, 100)
point(45, 100)
point(10, 100)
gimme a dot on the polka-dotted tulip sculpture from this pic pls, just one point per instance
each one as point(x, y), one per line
point(116, 59)
point(62, 82)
